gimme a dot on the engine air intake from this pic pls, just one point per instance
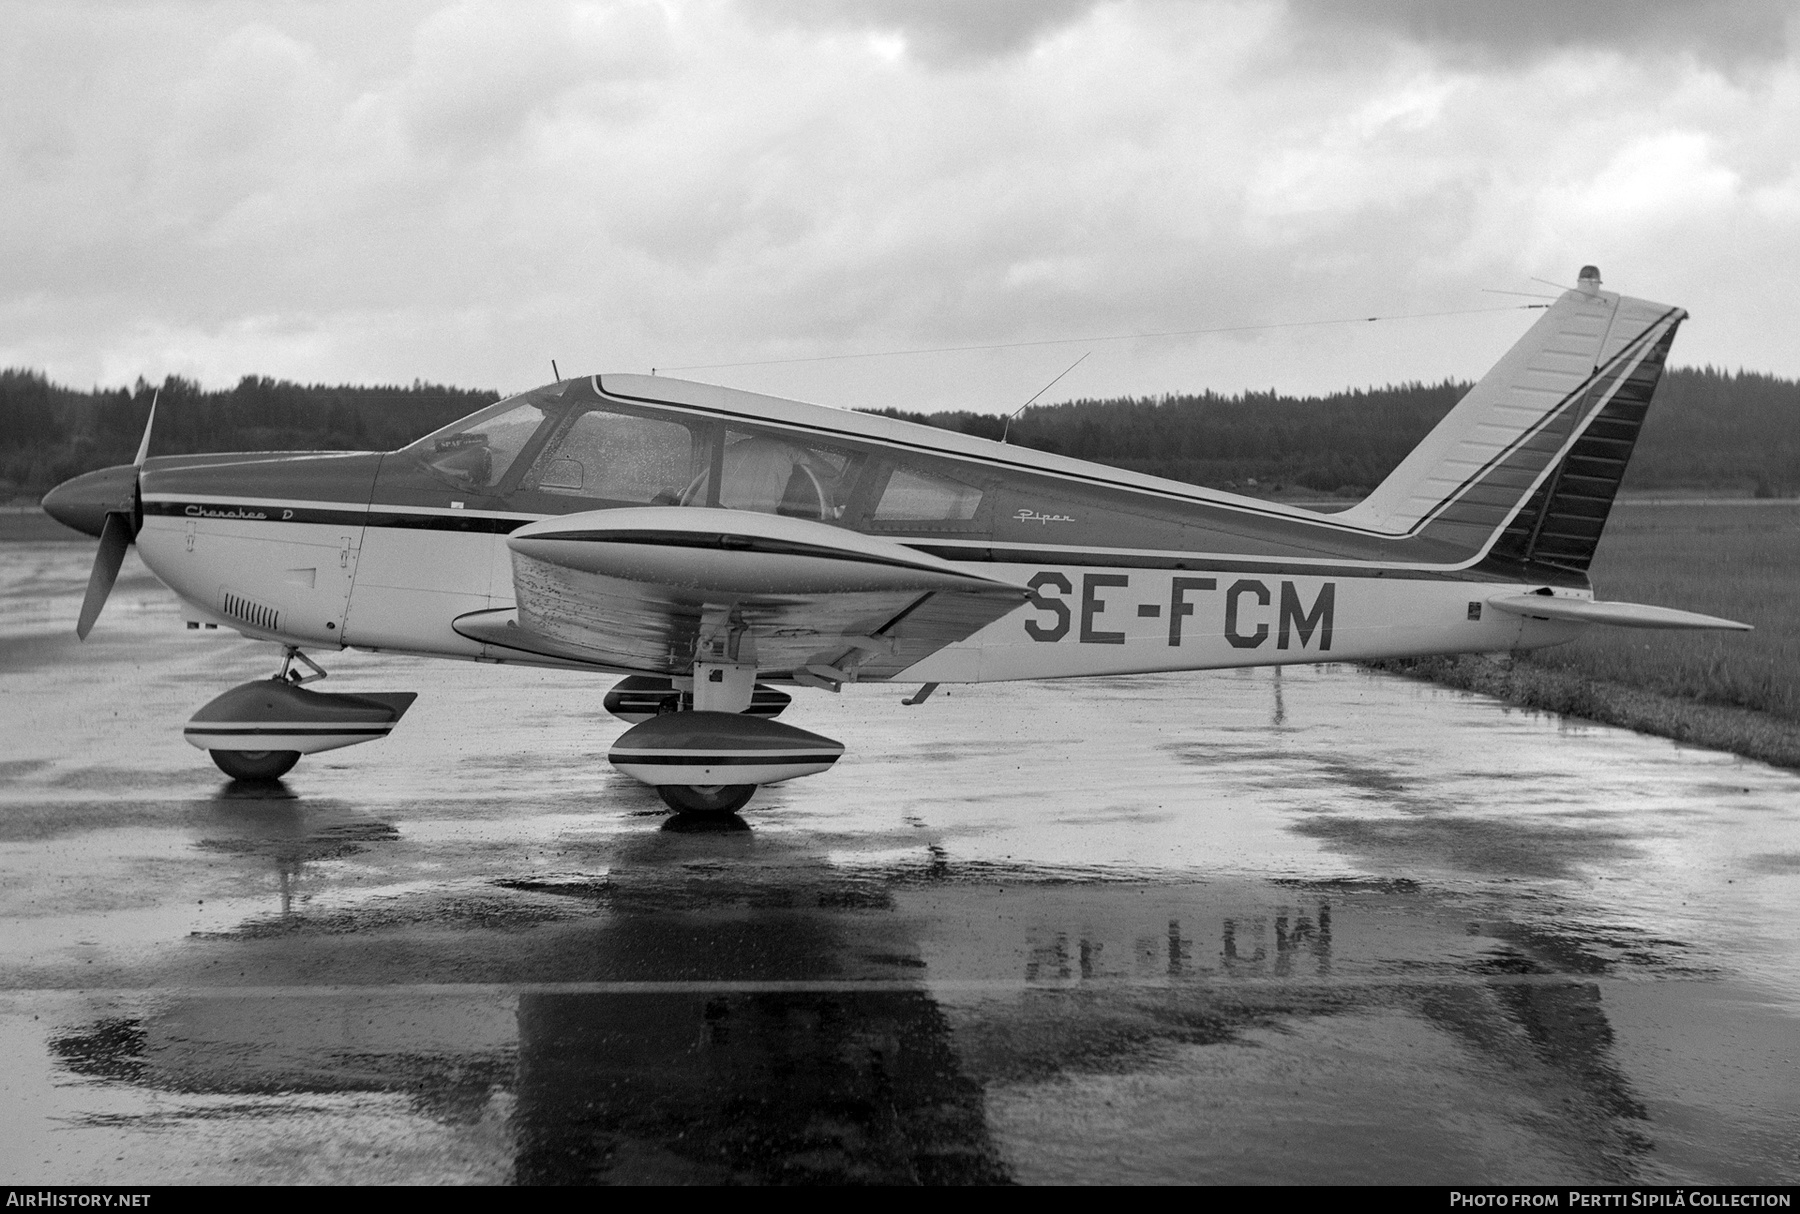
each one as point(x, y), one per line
point(250, 611)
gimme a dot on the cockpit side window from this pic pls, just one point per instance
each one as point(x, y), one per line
point(613, 456)
point(777, 475)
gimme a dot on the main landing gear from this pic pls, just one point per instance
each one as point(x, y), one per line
point(257, 731)
point(709, 758)
point(706, 798)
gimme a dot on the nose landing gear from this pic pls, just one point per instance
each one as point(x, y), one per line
point(259, 730)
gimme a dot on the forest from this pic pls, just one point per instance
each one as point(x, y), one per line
point(1728, 432)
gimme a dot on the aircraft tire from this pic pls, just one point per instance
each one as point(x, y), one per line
point(255, 764)
point(706, 798)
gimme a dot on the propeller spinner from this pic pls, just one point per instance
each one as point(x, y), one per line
point(107, 504)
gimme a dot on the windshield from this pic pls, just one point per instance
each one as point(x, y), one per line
point(476, 453)
point(606, 454)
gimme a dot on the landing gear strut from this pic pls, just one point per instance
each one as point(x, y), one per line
point(288, 674)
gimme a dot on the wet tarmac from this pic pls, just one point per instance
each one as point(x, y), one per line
point(1325, 926)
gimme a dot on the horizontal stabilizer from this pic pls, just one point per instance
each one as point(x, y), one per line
point(1622, 615)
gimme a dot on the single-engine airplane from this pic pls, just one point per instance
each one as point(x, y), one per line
point(713, 545)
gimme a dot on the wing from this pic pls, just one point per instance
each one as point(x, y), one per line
point(652, 589)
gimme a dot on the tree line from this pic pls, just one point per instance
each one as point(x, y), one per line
point(49, 433)
point(1734, 432)
point(1708, 429)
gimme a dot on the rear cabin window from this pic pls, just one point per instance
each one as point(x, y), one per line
point(619, 457)
point(913, 495)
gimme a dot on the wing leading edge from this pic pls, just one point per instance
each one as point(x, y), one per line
point(654, 589)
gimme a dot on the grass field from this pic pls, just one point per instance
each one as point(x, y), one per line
point(1731, 690)
point(1738, 560)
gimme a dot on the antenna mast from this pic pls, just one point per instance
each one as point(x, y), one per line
point(1009, 417)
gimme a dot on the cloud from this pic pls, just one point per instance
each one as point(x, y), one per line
point(1723, 32)
point(479, 73)
point(462, 191)
point(937, 32)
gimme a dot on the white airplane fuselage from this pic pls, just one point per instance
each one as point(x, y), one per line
point(359, 551)
point(400, 591)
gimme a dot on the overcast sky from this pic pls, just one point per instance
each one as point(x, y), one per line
point(461, 192)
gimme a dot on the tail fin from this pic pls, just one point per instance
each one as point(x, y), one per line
point(1526, 465)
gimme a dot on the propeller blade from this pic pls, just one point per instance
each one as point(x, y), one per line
point(116, 535)
point(144, 446)
point(115, 538)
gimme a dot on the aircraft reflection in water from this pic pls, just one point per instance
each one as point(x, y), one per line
point(802, 1039)
point(858, 1086)
point(712, 544)
point(827, 1086)
point(284, 840)
point(1174, 955)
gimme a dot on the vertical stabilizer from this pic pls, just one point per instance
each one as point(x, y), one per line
point(1529, 460)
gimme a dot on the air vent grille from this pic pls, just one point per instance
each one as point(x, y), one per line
point(250, 611)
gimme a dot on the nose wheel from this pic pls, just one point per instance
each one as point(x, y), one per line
point(706, 798)
point(255, 764)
